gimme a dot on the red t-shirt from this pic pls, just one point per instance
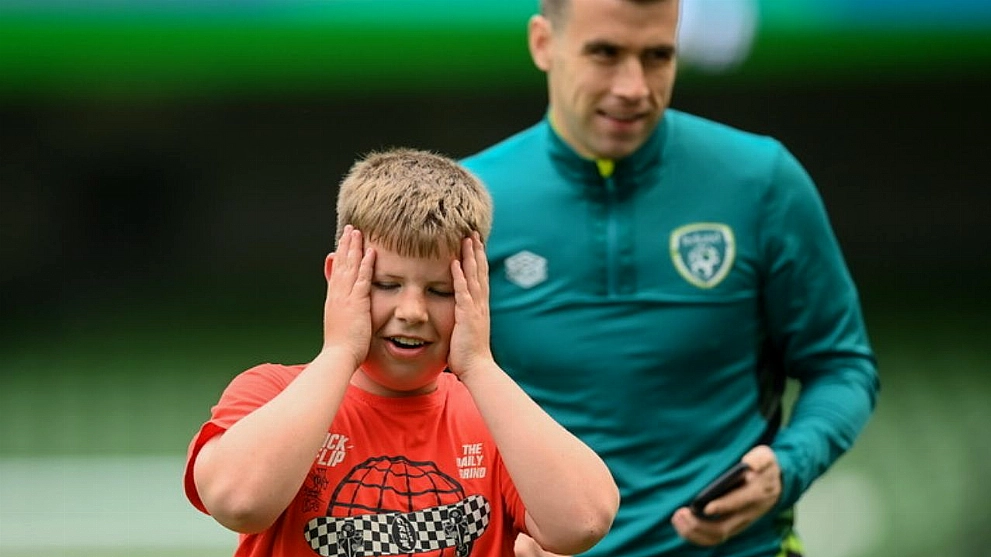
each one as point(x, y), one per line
point(395, 476)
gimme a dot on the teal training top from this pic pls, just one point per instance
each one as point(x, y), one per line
point(654, 306)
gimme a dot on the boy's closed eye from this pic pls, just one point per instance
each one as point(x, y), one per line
point(441, 291)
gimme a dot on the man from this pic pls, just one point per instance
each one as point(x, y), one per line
point(656, 277)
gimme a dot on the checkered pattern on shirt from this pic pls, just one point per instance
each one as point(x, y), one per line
point(454, 525)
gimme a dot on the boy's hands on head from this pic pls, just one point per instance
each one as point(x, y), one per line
point(470, 338)
point(347, 318)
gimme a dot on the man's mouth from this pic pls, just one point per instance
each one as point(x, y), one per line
point(624, 116)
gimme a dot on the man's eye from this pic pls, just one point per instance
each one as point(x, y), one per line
point(603, 52)
point(658, 55)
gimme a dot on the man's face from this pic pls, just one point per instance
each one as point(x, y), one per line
point(610, 68)
point(412, 307)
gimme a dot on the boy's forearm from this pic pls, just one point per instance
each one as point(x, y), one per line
point(248, 475)
point(567, 489)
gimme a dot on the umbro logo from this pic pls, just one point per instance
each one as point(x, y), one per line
point(526, 269)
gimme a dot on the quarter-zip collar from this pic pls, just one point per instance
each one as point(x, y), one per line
point(610, 187)
point(626, 173)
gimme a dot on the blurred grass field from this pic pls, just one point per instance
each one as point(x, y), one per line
point(97, 413)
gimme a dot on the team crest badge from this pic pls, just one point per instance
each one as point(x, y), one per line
point(703, 252)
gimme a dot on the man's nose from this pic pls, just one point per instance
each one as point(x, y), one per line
point(630, 82)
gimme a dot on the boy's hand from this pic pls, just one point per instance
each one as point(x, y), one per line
point(470, 338)
point(347, 317)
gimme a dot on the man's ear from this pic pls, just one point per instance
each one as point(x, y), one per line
point(539, 39)
point(328, 264)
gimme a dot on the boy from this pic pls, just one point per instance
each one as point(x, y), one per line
point(370, 449)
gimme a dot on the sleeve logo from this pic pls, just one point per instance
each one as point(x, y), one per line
point(703, 252)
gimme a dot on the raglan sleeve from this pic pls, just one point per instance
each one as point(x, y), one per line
point(248, 391)
point(815, 321)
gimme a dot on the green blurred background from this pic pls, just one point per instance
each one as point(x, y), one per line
point(168, 173)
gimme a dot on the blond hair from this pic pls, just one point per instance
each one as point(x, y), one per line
point(416, 203)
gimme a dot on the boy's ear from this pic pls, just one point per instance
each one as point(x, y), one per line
point(328, 264)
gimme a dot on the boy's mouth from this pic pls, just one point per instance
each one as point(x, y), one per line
point(407, 342)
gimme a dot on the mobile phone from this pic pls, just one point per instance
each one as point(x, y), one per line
point(728, 481)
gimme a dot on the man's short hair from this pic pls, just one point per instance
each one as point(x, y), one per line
point(416, 203)
point(556, 10)
point(553, 9)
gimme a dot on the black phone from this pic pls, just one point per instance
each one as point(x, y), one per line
point(728, 481)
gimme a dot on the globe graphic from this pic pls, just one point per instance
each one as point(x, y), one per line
point(382, 485)
point(393, 484)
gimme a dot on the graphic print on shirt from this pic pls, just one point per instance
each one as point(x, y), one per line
point(335, 448)
point(703, 252)
point(394, 506)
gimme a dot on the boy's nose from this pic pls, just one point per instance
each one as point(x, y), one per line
point(412, 308)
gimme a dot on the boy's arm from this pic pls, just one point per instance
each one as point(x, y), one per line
point(248, 475)
point(570, 496)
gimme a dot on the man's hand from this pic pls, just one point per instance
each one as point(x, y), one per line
point(738, 508)
point(470, 338)
point(347, 317)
